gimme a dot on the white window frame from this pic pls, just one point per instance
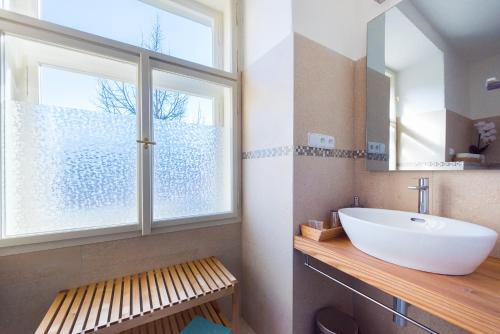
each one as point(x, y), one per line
point(32, 28)
point(202, 14)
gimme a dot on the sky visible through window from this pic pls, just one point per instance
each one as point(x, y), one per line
point(132, 22)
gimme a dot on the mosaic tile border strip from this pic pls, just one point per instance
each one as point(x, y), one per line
point(268, 152)
point(303, 150)
point(432, 165)
point(308, 151)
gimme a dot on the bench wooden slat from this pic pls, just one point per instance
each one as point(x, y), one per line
point(52, 312)
point(84, 310)
point(213, 314)
point(173, 325)
point(166, 326)
point(177, 283)
point(162, 289)
point(170, 286)
point(136, 299)
point(159, 327)
point(192, 280)
point(224, 320)
point(206, 276)
point(62, 312)
point(126, 299)
point(73, 312)
point(205, 312)
point(219, 273)
point(191, 312)
point(180, 320)
point(187, 317)
point(224, 269)
point(117, 301)
point(199, 278)
point(197, 311)
point(146, 303)
point(106, 304)
point(155, 297)
point(95, 307)
point(212, 274)
point(185, 282)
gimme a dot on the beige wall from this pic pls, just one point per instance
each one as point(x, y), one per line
point(459, 133)
point(467, 195)
point(29, 282)
point(323, 102)
point(492, 153)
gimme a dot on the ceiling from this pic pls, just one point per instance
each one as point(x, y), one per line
point(471, 27)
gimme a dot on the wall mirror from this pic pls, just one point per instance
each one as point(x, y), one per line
point(433, 98)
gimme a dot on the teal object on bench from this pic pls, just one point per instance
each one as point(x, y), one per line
point(200, 325)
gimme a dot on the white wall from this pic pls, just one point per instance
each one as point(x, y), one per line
point(484, 104)
point(334, 24)
point(456, 69)
point(265, 24)
point(420, 87)
point(339, 25)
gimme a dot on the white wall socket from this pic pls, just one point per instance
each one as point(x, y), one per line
point(320, 141)
point(374, 147)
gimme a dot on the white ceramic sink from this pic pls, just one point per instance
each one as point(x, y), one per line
point(429, 243)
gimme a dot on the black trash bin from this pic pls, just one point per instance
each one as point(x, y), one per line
point(329, 320)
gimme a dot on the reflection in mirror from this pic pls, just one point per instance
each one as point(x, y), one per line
point(432, 95)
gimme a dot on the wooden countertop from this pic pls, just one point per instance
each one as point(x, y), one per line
point(471, 302)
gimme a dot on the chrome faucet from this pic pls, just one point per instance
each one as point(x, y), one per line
point(423, 195)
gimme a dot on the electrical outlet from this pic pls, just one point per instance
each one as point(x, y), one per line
point(374, 147)
point(320, 141)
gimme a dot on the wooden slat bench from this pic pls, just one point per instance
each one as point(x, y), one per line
point(174, 324)
point(128, 302)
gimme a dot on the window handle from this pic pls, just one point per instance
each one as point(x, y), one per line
point(146, 142)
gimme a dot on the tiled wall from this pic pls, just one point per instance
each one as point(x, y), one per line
point(29, 282)
point(323, 101)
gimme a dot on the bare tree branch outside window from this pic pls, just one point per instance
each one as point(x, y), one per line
point(118, 97)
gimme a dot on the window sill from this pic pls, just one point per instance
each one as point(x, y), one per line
point(6, 250)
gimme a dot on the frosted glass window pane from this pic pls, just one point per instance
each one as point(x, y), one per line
point(151, 24)
point(69, 162)
point(192, 158)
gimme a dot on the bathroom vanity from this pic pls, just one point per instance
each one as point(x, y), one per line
point(471, 302)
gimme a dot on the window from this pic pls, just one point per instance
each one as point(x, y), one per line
point(101, 138)
point(62, 169)
point(192, 150)
point(195, 31)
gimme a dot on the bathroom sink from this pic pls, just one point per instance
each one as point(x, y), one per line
point(423, 242)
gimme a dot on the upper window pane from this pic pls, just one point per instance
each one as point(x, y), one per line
point(69, 155)
point(186, 32)
point(193, 161)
